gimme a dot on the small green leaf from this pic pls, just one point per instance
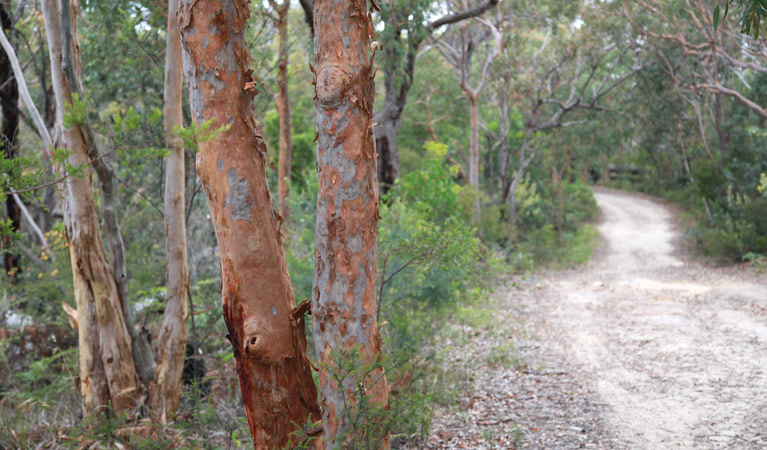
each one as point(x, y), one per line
point(716, 17)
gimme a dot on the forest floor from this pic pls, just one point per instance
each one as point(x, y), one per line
point(641, 348)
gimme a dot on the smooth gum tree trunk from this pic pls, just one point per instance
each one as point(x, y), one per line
point(107, 371)
point(265, 328)
point(143, 357)
point(344, 300)
point(474, 153)
point(171, 341)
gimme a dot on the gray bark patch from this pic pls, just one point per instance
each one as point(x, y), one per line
point(196, 97)
point(239, 198)
point(211, 77)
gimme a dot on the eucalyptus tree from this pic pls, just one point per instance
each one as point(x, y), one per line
point(460, 53)
point(344, 311)
point(752, 14)
point(265, 327)
point(171, 340)
point(108, 374)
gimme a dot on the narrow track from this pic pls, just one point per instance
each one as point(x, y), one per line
point(677, 351)
point(639, 349)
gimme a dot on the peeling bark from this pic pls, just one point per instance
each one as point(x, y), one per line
point(107, 371)
point(171, 341)
point(265, 329)
point(143, 357)
point(344, 308)
point(9, 104)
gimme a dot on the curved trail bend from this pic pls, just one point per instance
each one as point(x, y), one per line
point(675, 351)
point(638, 349)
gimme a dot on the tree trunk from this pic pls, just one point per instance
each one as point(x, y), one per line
point(344, 308)
point(474, 154)
point(513, 208)
point(107, 371)
point(556, 178)
point(718, 124)
point(283, 109)
point(171, 341)
point(9, 104)
point(143, 357)
point(265, 329)
point(503, 163)
point(386, 131)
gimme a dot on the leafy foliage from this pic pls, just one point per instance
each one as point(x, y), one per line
point(750, 20)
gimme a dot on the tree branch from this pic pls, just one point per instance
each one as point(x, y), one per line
point(308, 7)
point(462, 15)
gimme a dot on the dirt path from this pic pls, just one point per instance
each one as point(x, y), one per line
point(663, 353)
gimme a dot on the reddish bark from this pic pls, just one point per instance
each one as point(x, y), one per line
point(344, 309)
point(265, 329)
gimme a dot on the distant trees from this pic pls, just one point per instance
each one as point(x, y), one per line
point(406, 28)
point(282, 102)
point(461, 59)
point(552, 76)
point(709, 54)
point(713, 151)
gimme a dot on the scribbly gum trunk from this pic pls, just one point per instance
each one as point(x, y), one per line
point(283, 109)
point(171, 341)
point(265, 329)
point(474, 153)
point(107, 371)
point(344, 308)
